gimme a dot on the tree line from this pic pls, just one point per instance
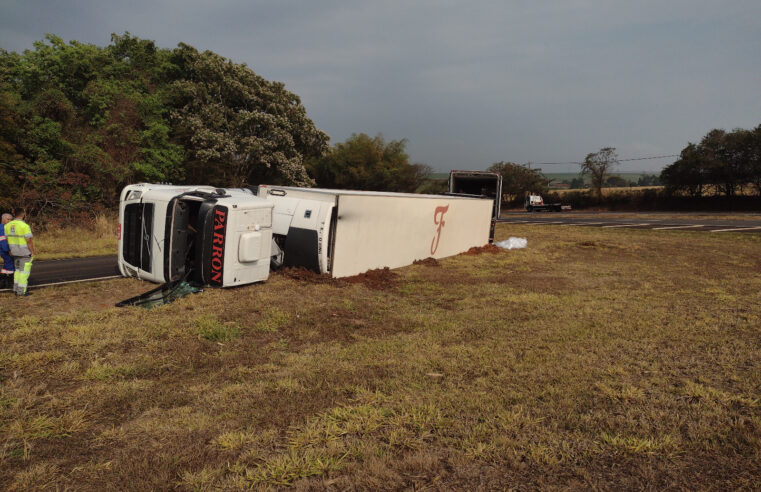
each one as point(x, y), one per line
point(79, 121)
point(722, 163)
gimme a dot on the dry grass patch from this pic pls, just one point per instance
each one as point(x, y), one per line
point(94, 239)
point(593, 358)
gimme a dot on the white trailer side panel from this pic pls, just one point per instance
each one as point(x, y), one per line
point(376, 231)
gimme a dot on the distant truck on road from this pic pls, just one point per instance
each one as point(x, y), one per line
point(535, 203)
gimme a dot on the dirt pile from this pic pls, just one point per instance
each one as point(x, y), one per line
point(380, 279)
point(489, 248)
point(429, 262)
point(308, 276)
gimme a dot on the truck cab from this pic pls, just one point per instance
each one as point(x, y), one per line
point(215, 236)
point(535, 203)
point(534, 200)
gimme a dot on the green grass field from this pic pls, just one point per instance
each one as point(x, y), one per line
point(592, 359)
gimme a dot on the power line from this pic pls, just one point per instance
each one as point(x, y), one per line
point(619, 160)
point(648, 158)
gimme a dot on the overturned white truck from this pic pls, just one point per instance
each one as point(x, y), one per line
point(229, 237)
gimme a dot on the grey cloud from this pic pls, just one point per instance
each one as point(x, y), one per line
point(468, 83)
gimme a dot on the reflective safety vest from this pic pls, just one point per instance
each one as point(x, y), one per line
point(17, 232)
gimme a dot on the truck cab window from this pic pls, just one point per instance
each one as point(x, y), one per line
point(138, 231)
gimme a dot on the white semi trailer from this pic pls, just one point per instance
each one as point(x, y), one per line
point(228, 237)
point(345, 233)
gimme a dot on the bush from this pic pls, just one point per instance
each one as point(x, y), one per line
point(368, 163)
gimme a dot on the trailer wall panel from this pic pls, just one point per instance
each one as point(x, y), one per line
point(375, 231)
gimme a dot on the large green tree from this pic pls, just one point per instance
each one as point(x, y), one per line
point(369, 163)
point(80, 121)
point(10, 158)
point(598, 166)
point(238, 127)
point(690, 173)
point(519, 180)
point(753, 156)
point(725, 162)
point(90, 120)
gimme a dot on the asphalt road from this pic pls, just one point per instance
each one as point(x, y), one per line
point(751, 223)
point(53, 272)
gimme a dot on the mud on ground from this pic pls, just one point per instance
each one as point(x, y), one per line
point(379, 279)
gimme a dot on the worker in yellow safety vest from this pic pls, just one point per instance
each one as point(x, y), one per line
point(19, 236)
point(6, 260)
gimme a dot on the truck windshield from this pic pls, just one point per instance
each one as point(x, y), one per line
point(137, 234)
point(183, 229)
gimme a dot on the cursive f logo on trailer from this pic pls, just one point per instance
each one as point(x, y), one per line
point(438, 219)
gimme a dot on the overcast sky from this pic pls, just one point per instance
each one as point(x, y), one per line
point(467, 83)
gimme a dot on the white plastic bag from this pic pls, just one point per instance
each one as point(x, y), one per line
point(513, 243)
